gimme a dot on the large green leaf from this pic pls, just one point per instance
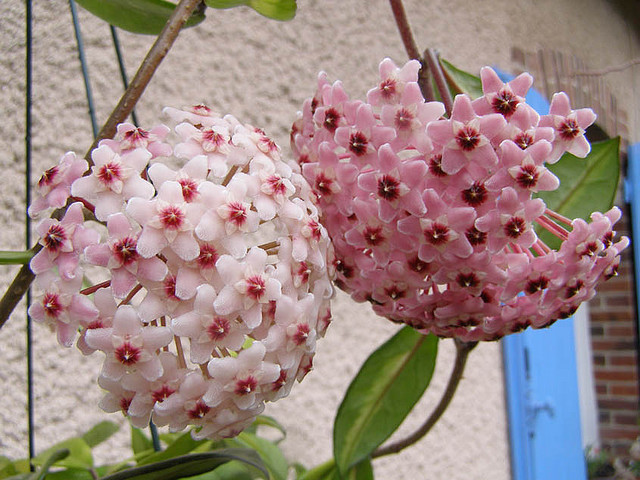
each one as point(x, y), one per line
point(276, 9)
point(53, 458)
point(137, 16)
point(181, 446)
point(271, 455)
point(586, 184)
point(78, 456)
point(100, 433)
point(385, 390)
point(460, 81)
point(328, 471)
point(189, 465)
point(141, 444)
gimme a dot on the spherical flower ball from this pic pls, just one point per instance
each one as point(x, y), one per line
point(433, 218)
point(209, 272)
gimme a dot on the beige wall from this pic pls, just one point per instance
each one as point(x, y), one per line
point(261, 71)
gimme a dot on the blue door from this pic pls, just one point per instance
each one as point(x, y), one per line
point(542, 393)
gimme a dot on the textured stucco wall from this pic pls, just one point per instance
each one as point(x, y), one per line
point(261, 71)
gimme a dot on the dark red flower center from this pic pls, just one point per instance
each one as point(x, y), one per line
point(48, 177)
point(569, 129)
point(219, 328)
point(301, 334)
point(468, 138)
point(162, 393)
point(54, 238)
point(237, 213)
point(208, 256)
point(373, 236)
point(475, 195)
point(528, 176)
point(515, 227)
point(171, 217)
point(109, 173)
point(125, 250)
point(127, 354)
point(246, 386)
point(199, 411)
point(51, 305)
point(358, 143)
point(388, 188)
point(189, 189)
point(255, 287)
point(475, 236)
point(505, 102)
point(404, 117)
point(331, 119)
point(437, 234)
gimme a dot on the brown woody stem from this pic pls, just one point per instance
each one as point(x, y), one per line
point(154, 57)
point(462, 353)
point(405, 29)
point(431, 59)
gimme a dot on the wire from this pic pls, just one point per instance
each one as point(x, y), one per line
point(27, 175)
point(123, 72)
point(83, 65)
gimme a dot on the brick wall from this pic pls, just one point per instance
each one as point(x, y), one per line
point(613, 339)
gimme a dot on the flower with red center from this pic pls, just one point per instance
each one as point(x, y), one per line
point(467, 138)
point(212, 254)
point(475, 195)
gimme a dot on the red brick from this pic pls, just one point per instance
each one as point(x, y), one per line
point(599, 360)
point(627, 390)
point(617, 375)
point(609, 316)
point(621, 330)
point(605, 345)
point(618, 404)
point(620, 432)
point(619, 360)
point(602, 389)
point(618, 300)
point(625, 419)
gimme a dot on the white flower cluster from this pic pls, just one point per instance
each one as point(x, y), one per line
point(211, 282)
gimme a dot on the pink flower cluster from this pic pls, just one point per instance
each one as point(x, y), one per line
point(210, 274)
point(433, 219)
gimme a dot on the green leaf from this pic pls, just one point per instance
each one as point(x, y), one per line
point(137, 16)
point(54, 458)
point(361, 471)
point(100, 433)
point(71, 474)
point(265, 420)
point(385, 390)
point(140, 443)
point(460, 81)
point(271, 455)
point(181, 446)
point(275, 9)
point(15, 258)
point(586, 184)
point(229, 471)
point(79, 455)
point(189, 465)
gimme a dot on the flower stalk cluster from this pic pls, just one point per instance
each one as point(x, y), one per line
point(210, 274)
point(434, 219)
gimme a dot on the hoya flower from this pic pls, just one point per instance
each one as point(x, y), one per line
point(435, 225)
point(195, 262)
point(54, 186)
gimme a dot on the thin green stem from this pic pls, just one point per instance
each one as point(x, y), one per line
point(462, 353)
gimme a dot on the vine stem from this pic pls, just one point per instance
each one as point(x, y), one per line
point(431, 58)
point(405, 29)
point(149, 65)
point(145, 72)
point(462, 353)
